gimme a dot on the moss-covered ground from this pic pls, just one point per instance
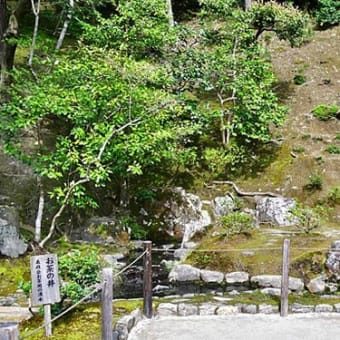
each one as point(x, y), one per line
point(84, 322)
point(13, 271)
point(261, 252)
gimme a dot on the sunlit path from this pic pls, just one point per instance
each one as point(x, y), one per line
point(240, 327)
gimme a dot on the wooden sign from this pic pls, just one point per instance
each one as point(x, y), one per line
point(45, 282)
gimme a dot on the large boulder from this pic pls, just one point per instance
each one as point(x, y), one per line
point(10, 243)
point(174, 215)
point(274, 281)
point(276, 211)
point(184, 272)
point(187, 215)
point(223, 205)
point(317, 285)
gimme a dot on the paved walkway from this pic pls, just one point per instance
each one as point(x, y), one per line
point(240, 327)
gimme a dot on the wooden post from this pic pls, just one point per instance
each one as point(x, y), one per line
point(107, 295)
point(9, 331)
point(147, 280)
point(285, 278)
point(47, 320)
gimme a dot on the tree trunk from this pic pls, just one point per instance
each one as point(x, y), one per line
point(9, 29)
point(3, 21)
point(170, 14)
point(247, 4)
point(65, 26)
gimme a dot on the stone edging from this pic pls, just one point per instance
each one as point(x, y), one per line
point(125, 324)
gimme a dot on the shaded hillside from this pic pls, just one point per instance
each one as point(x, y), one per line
point(305, 137)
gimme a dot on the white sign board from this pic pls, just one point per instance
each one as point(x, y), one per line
point(45, 282)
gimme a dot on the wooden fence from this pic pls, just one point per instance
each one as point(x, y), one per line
point(10, 331)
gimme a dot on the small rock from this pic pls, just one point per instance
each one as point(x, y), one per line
point(268, 309)
point(337, 307)
point(249, 309)
point(185, 309)
point(167, 309)
point(299, 308)
point(331, 287)
point(210, 276)
point(237, 278)
point(160, 289)
point(323, 308)
point(122, 329)
point(207, 309)
point(227, 310)
point(221, 299)
point(7, 301)
point(248, 253)
point(137, 315)
point(265, 281)
point(189, 295)
point(271, 291)
point(128, 321)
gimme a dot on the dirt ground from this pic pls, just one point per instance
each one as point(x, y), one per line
point(305, 137)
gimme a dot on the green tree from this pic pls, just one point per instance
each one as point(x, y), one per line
point(113, 122)
point(223, 59)
point(122, 101)
point(138, 28)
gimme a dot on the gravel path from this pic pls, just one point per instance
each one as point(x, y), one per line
point(240, 327)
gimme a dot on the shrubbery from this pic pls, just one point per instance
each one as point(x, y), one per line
point(78, 272)
point(328, 13)
point(236, 223)
point(325, 112)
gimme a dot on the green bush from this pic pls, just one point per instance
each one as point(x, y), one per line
point(333, 149)
point(136, 231)
point(236, 223)
point(328, 13)
point(79, 272)
point(305, 218)
point(315, 182)
point(299, 79)
point(325, 112)
point(334, 195)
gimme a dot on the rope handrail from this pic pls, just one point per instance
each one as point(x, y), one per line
point(97, 288)
point(130, 264)
point(239, 250)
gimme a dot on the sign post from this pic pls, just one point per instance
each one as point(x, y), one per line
point(45, 285)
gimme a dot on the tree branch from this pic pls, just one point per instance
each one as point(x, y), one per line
point(247, 193)
point(84, 180)
point(65, 26)
point(36, 11)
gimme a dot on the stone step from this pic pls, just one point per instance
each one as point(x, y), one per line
point(15, 314)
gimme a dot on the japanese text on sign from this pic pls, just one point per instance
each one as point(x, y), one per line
point(45, 283)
